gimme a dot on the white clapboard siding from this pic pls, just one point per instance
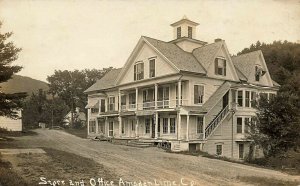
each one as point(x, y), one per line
point(11, 124)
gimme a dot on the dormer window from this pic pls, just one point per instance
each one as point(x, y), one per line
point(190, 32)
point(138, 71)
point(220, 66)
point(152, 68)
point(178, 32)
point(259, 72)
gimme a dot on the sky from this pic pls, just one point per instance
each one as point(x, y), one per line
point(79, 34)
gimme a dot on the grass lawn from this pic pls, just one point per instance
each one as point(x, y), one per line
point(289, 164)
point(82, 132)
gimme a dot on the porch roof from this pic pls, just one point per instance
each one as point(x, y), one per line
point(92, 104)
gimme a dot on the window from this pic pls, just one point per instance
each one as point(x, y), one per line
point(111, 128)
point(172, 125)
point(220, 66)
point(247, 99)
point(247, 125)
point(123, 100)
point(132, 100)
point(190, 32)
point(241, 151)
point(199, 125)
point(239, 125)
point(263, 96)
point(271, 96)
point(257, 73)
point(148, 95)
point(253, 99)
point(147, 125)
point(139, 71)
point(94, 110)
point(234, 96)
point(198, 94)
point(132, 125)
point(219, 150)
point(178, 32)
point(92, 126)
point(111, 103)
point(240, 98)
point(165, 125)
point(151, 68)
point(101, 126)
point(102, 105)
point(123, 127)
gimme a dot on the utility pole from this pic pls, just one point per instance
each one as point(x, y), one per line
point(72, 101)
point(52, 110)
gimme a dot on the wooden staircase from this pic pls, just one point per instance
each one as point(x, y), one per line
point(216, 121)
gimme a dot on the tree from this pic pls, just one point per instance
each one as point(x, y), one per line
point(39, 108)
point(70, 85)
point(9, 103)
point(277, 126)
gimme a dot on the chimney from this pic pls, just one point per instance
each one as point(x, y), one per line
point(218, 39)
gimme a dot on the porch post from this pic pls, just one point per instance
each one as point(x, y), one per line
point(120, 102)
point(137, 127)
point(156, 126)
point(179, 92)
point(179, 127)
point(155, 95)
point(136, 97)
point(106, 127)
point(88, 121)
point(97, 130)
point(187, 126)
point(204, 126)
point(120, 126)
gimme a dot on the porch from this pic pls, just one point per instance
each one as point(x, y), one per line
point(168, 95)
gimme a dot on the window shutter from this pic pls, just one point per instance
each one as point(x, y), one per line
point(196, 96)
point(134, 73)
point(216, 66)
point(224, 67)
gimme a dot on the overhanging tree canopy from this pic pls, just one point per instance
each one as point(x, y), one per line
point(9, 103)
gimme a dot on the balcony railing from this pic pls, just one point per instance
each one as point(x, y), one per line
point(163, 104)
point(148, 105)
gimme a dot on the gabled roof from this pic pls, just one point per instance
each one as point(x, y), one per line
point(241, 76)
point(217, 95)
point(106, 82)
point(246, 62)
point(205, 54)
point(184, 61)
point(184, 19)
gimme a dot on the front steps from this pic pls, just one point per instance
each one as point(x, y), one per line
point(140, 144)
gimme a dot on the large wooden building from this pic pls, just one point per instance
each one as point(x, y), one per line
point(186, 92)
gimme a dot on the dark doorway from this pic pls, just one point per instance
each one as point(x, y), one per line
point(153, 127)
point(225, 99)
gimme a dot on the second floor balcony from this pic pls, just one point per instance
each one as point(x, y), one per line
point(154, 105)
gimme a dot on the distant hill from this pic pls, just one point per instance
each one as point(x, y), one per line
point(23, 84)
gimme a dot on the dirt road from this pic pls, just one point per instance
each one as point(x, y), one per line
point(150, 164)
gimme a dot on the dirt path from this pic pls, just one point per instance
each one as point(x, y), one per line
point(150, 164)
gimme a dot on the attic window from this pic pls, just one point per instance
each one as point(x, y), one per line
point(152, 68)
point(138, 71)
point(178, 32)
point(220, 66)
point(190, 31)
point(259, 72)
